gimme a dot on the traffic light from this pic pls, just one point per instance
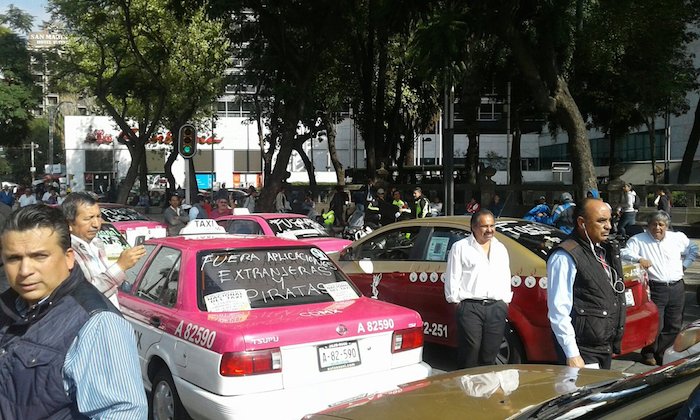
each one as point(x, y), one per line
point(188, 141)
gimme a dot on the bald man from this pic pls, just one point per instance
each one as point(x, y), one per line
point(585, 290)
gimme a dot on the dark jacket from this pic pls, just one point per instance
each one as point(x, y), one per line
point(33, 349)
point(598, 313)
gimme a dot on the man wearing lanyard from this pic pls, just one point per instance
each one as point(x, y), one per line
point(84, 219)
point(478, 281)
point(665, 255)
point(585, 290)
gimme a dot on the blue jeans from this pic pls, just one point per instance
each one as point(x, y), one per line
point(626, 219)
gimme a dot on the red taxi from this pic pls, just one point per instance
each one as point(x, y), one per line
point(286, 225)
point(252, 327)
point(404, 263)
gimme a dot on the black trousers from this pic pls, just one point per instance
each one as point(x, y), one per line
point(481, 326)
point(670, 300)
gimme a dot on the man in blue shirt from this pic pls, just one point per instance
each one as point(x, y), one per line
point(585, 290)
point(65, 351)
point(6, 196)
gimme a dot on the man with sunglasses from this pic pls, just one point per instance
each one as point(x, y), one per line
point(665, 255)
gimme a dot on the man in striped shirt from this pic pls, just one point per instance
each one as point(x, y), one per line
point(65, 351)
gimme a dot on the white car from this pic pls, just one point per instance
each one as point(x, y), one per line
point(687, 343)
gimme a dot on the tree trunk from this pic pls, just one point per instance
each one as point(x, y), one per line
point(690, 149)
point(310, 168)
point(337, 166)
point(572, 121)
point(651, 128)
point(137, 151)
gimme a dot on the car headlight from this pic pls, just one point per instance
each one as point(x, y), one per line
point(686, 339)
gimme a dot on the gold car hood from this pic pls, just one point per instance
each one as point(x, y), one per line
point(489, 392)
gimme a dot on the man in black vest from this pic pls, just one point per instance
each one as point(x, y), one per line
point(65, 351)
point(585, 290)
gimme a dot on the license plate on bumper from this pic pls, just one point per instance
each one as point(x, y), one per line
point(338, 355)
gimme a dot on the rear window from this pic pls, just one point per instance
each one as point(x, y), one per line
point(537, 237)
point(121, 214)
point(259, 278)
point(297, 228)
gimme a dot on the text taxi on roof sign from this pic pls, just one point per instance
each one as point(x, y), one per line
point(202, 227)
point(206, 309)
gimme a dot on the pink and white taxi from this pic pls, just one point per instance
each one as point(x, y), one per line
point(285, 225)
point(237, 327)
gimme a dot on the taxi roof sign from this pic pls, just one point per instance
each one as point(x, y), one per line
point(202, 226)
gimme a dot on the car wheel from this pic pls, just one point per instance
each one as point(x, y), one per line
point(511, 350)
point(165, 404)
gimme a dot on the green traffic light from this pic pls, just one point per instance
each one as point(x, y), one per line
point(187, 149)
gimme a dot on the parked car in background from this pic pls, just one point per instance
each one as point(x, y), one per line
point(284, 225)
point(244, 327)
point(404, 263)
point(125, 218)
point(533, 392)
point(687, 343)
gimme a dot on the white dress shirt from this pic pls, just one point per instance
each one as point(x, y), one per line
point(669, 256)
point(471, 274)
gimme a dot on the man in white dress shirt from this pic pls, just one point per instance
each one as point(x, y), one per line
point(478, 281)
point(665, 255)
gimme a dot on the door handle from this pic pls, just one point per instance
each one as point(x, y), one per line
point(155, 321)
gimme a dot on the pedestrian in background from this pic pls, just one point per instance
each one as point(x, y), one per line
point(199, 210)
point(663, 201)
point(82, 212)
point(174, 216)
point(473, 206)
point(477, 279)
point(540, 212)
point(421, 203)
point(585, 290)
point(665, 255)
point(281, 201)
point(222, 209)
point(563, 215)
point(626, 210)
point(6, 197)
point(496, 206)
point(67, 352)
point(27, 198)
point(337, 204)
point(251, 199)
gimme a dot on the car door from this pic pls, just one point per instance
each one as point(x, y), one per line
point(382, 265)
point(427, 294)
point(152, 300)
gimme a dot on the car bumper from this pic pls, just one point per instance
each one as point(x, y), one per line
point(641, 328)
point(293, 403)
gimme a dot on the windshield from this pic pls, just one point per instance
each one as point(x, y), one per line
point(121, 214)
point(537, 237)
point(596, 400)
point(260, 278)
point(297, 227)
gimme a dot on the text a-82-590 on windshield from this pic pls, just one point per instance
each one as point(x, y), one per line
point(269, 277)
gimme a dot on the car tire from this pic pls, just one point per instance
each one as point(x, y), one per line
point(511, 350)
point(164, 401)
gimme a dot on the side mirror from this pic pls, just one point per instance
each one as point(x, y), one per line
point(347, 254)
point(126, 287)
